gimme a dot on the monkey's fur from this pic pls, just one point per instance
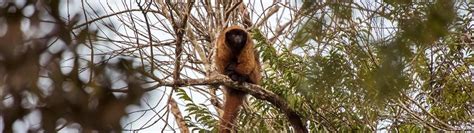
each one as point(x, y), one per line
point(235, 57)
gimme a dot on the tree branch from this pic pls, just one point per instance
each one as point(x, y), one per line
point(178, 116)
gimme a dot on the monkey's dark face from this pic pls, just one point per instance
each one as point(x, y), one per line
point(236, 40)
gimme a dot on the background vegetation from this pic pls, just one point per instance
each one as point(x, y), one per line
point(78, 65)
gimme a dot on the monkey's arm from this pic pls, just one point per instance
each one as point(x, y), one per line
point(246, 61)
point(222, 58)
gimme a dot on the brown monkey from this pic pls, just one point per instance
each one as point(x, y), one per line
point(235, 57)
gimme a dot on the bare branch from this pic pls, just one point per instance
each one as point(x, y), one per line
point(178, 116)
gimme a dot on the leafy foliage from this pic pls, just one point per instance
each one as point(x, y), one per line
point(357, 80)
point(199, 117)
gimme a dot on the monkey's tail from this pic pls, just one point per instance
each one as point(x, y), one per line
point(234, 99)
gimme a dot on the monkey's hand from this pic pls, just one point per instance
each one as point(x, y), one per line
point(230, 71)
